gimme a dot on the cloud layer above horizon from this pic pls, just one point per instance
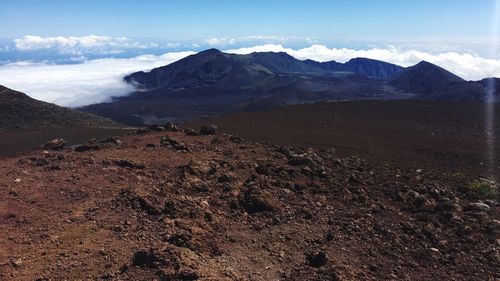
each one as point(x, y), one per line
point(97, 80)
point(74, 85)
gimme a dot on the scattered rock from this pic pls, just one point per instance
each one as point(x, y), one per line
point(41, 162)
point(171, 127)
point(139, 202)
point(188, 274)
point(493, 227)
point(236, 139)
point(181, 239)
point(227, 177)
point(85, 147)
point(190, 132)
point(201, 168)
point(55, 144)
point(141, 131)
point(477, 207)
point(128, 164)
point(208, 130)
point(157, 128)
point(316, 259)
point(435, 250)
point(17, 263)
point(112, 140)
point(256, 200)
point(182, 208)
point(169, 142)
point(309, 159)
point(146, 258)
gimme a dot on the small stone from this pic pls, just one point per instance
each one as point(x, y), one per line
point(477, 207)
point(169, 142)
point(157, 128)
point(128, 164)
point(316, 259)
point(493, 227)
point(17, 263)
point(208, 130)
point(55, 144)
point(17, 180)
point(236, 139)
point(171, 127)
point(190, 132)
point(188, 274)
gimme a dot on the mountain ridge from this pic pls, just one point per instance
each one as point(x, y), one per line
point(253, 64)
point(424, 77)
point(19, 111)
point(213, 82)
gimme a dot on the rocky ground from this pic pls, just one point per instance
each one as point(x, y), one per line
point(163, 205)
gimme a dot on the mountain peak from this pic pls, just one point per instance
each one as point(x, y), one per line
point(424, 62)
point(424, 78)
point(210, 51)
point(372, 68)
point(282, 55)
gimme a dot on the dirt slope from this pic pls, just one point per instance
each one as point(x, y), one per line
point(167, 206)
point(19, 111)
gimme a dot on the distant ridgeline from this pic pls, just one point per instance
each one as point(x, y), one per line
point(212, 82)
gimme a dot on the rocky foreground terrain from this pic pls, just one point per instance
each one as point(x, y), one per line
point(164, 205)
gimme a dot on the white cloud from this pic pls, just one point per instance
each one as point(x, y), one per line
point(257, 39)
point(93, 81)
point(173, 45)
point(78, 45)
point(220, 41)
point(74, 85)
point(467, 65)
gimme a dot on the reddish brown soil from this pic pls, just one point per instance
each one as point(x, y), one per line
point(444, 136)
point(232, 210)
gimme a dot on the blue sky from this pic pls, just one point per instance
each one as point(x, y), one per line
point(324, 19)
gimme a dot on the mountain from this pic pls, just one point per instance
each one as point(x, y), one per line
point(363, 66)
point(202, 69)
point(373, 68)
point(424, 78)
point(212, 67)
point(212, 82)
point(469, 91)
point(17, 110)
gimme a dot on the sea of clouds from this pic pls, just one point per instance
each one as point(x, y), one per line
point(73, 85)
point(98, 80)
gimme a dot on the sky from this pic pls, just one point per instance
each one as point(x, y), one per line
point(75, 52)
point(353, 19)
